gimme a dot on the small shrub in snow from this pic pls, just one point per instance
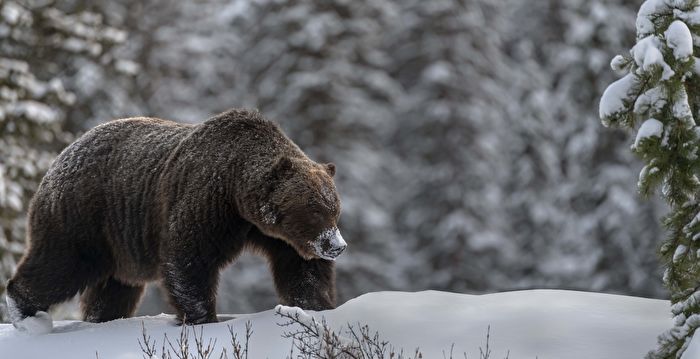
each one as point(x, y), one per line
point(311, 339)
point(202, 348)
point(314, 339)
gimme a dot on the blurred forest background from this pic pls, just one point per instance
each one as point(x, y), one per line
point(470, 155)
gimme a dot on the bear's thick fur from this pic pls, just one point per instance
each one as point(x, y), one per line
point(144, 199)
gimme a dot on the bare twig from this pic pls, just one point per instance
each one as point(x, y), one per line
point(203, 352)
point(317, 341)
point(147, 347)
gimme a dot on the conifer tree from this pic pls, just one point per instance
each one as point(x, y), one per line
point(660, 95)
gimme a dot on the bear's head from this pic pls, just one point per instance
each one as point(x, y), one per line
point(303, 208)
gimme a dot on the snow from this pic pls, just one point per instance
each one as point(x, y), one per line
point(693, 350)
point(647, 55)
point(650, 7)
point(652, 99)
point(689, 302)
point(696, 66)
point(335, 240)
point(41, 323)
point(438, 72)
point(12, 309)
point(12, 13)
point(691, 17)
point(618, 63)
point(679, 39)
point(33, 110)
point(547, 324)
point(614, 97)
point(680, 251)
point(650, 128)
point(681, 107)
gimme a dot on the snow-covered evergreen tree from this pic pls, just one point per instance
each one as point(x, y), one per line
point(38, 40)
point(660, 94)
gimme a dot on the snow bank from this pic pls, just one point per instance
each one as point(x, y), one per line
point(693, 350)
point(548, 324)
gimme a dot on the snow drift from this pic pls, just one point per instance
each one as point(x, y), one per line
point(547, 324)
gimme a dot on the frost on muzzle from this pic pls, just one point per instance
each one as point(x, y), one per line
point(329, 244)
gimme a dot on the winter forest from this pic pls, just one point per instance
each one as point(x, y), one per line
point(469, 149)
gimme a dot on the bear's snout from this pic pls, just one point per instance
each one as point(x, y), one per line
point(329, 244)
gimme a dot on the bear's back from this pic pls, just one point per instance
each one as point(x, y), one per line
point(105, 184)
point(114, 151)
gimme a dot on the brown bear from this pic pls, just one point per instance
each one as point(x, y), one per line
point(144, 199)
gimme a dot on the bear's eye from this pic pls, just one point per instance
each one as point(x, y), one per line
point(317, 216)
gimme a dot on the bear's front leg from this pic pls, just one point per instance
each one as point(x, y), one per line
point(308, 284)
point(192, 289)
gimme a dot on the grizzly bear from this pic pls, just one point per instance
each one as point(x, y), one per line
point(144, 199)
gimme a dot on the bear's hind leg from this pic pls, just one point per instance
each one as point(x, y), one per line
point(109, 300)
point(41, 281)
point(308, 284)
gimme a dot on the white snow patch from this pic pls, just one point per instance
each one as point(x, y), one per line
point(12, 309)
point(686, 304)
point(297, 313)
point(647, 55)
point(40, 323)
point(614, 97)
point(336, 238)
point(12, 13)
point(619, 63)
point(687, 229)
point(438, 72)
point(680, 251)
point(691, 17)
point(127, 67)
point(693, 350)
point(644, 24)
point(681, 107)
point(332, 236)
point(534, 323)
point(650, 128)
point(652, 99)
point(696, 66)
point(679, 39)
point(646, 170)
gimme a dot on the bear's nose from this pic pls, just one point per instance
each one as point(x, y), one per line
point(330, 244)
point(337, 243)
point(335, 251)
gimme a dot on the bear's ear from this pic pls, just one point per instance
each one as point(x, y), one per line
point(330, 168)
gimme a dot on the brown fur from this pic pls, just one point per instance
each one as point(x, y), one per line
point(145, 199)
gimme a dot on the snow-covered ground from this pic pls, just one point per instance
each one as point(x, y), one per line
point(544, 324)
